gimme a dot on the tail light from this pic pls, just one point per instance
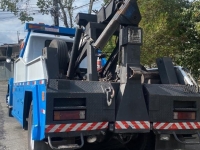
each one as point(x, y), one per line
point(69, 115)
point(184, 115)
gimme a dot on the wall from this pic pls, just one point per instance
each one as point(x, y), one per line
point(6, 70)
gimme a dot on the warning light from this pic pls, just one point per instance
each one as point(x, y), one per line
point(184, 115)
point(69, 115)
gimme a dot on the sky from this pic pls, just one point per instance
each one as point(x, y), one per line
point(10, 24)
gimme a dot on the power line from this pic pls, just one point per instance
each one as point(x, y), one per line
point(85, 5)
point(65, 7)
point(38, 11)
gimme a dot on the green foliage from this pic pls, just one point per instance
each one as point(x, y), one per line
point(160, 22)
point(15, 7)
point(44, 6)
point(20, 9)
point(190, 34)
point(110, 46)
point(23, 16)
point(170, 28)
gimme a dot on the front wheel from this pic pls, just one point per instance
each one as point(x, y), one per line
point(34, 145)
point(10, 112)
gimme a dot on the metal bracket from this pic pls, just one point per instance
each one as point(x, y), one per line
point(189, 143)
point(135, 72)
point(68, 146)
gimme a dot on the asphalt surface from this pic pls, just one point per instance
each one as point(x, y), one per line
point(12, 136)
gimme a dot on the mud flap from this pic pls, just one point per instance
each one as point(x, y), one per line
point(131, 108)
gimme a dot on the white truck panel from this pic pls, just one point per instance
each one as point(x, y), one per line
point(36, 43)
point(20, 72)
point(34, 70)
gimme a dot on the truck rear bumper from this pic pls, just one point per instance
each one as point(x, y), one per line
point(132, 126)
point(74, 127)
point(75, 133)
point(177, 127)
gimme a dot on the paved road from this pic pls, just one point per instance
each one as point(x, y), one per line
point(12, 136)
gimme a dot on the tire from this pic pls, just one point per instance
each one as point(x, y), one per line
point(8, 102)
point(34, 145)
point(10, 112)
point(63, 54)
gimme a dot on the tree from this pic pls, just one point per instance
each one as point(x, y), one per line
point(21, 9)
point(160, 23)
point(171, 28)
point(189, 30)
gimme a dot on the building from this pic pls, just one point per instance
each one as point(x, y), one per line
point(8, 52)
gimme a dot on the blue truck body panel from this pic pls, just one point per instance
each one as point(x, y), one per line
point(42, 28)
point(17, 90)
point(25, 43)
point(38, 103)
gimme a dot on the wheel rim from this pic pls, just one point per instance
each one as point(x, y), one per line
point(8, 100)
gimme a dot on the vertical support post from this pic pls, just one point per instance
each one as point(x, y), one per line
point(90, 6)
point(91, 56)
point(130, 94)
point(74, 53)
point(18, 37)
point(130, 42)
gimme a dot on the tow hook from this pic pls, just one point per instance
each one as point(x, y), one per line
point(68, 146)
point(110, 93)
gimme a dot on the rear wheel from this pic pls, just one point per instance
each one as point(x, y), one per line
point(10, 112)
point(34, 145)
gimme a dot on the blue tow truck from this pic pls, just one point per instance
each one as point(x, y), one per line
point(68, 97)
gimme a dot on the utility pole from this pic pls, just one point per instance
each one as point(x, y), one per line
point(90, 6)
point(18, 36)
point(55, 13)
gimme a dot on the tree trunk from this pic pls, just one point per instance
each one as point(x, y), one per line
point(70, 11)
point(64, 14)
point(70, 17)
